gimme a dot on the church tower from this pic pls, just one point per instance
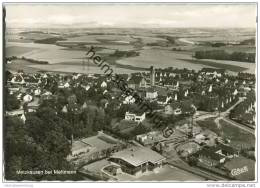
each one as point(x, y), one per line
point(152, 76)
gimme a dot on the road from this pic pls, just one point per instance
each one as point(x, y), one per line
point(221, 116)
point(224, 116)
point(241, 126)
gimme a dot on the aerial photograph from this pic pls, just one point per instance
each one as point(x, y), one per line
point(129, 92)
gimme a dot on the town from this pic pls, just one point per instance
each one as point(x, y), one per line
point(85, 123)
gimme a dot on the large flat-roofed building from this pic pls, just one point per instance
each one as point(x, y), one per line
point(137, 160)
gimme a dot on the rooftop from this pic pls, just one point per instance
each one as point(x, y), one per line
point(212, 70)
point(135, 79)
point(138, 155)
point(210, 153)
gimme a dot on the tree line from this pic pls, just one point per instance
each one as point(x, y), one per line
point(223, 55)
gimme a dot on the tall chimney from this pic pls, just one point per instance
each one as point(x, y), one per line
point(152, 76)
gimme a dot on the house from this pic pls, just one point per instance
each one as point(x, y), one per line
point(83, 106)
point(129, 100)
point(18, 112)
point(226, 150)
point(17, 79)
point(173, 108)
point(103, 84)
point(45, 76)
point(37, 92)
point(163, 100)
point(30, 80)
point(13, 89)
point(176, 86)
point(206, 137)
point(137, 116)
point(137, 160)
point(76, 76)
point(153, 137)
point(66, 85)
point(149, 138)
point(136, 82)
point(209, 157)
point(23, 118)
point(46, 95)
point(212, 72)
point(65, 109)
point(27, 98)
point(33, 105)
point(151, 93)
point(215, 155)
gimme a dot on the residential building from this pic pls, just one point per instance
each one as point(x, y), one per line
point(173, 108)
point(18, 112)
point(136, 82)
point(137, 116)
point(215, 155)
point(210, 158)
point(151, 93)
point(212, 72)
point(163, 100)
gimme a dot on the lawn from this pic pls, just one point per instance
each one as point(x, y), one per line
point(239, 137)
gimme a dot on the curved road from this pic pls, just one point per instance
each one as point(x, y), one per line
point(223, 116)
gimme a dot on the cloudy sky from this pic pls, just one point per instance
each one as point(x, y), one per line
point(131, 15)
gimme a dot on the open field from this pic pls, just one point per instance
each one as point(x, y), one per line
point(219, 38)
point(29, 36)
point(20, 64)
point(66, 67)
point(17, 50)
point(158, 57)
point(149, 39)
point(108, 40)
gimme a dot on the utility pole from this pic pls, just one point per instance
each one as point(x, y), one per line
point(191, 125)
point(191, 128)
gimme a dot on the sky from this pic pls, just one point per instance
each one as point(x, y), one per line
point(131, 15)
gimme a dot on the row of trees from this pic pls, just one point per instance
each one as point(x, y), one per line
point(11, 102)
point(51, 40)
point(120, 54)
point(223, 55)
point(245, 111)
point(39, 144)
